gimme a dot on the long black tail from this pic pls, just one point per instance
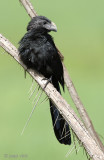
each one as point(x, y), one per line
point(61, 127)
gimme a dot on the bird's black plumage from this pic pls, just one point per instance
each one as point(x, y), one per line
point(38, 52)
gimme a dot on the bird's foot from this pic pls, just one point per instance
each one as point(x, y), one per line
point(49, 80)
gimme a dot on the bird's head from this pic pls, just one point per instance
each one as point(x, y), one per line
point(41, 22)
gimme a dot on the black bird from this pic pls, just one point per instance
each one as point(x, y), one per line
point(38, 52)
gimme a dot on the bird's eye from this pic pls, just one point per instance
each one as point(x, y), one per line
point(45, 22)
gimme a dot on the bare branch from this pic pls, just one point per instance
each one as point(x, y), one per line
point(29, 8)
point(73, 93)
point(63, 107)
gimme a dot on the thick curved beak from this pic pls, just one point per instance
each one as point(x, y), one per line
point(51, 27)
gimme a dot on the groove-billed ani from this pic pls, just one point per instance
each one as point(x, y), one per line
point(38, 52)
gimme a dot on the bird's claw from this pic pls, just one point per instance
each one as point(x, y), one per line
point(49, 80)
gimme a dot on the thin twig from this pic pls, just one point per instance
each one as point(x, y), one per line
point(31, 113)
point(32, 92)
point(64, 108)
point(73, 93)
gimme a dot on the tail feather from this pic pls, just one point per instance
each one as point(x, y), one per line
point(61, 127)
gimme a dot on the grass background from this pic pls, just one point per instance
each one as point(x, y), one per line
point(80, 38)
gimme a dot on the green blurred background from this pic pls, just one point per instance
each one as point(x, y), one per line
point(80, 38)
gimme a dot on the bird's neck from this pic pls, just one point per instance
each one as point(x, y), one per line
point(38, 31)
